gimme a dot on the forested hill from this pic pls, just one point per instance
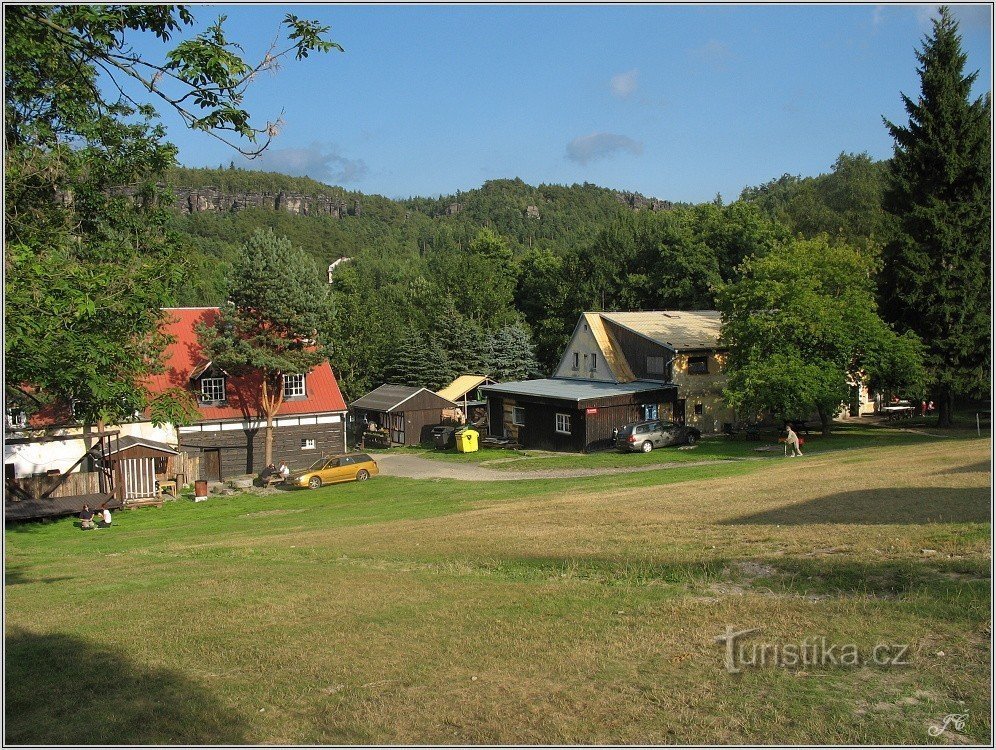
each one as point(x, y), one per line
point(219, 208)
point(434, 284)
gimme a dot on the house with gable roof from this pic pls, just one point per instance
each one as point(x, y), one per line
point(230, 431)
point(619, 367)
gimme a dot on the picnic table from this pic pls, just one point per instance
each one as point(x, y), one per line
point(898, 412)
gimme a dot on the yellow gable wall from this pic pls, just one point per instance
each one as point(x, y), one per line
point(583, 342)
point(703, 389)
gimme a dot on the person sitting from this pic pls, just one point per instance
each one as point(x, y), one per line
point(268, 472)
point(105, 519)
point(86, 517)
point(284, 470)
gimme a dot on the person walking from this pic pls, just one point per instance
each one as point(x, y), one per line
point(791, 441)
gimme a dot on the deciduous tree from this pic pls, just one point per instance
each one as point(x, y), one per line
point(802, 326)
point(89, 258)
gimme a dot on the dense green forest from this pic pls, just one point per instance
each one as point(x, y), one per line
point(463, 280)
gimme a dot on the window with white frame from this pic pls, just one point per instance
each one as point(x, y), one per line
point(212, 390)
point(17, 418)
point(563, 424)
point(518, 416)
point(307, 444)
point(294, 386)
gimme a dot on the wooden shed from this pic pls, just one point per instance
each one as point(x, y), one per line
point(138, 465)
point(405, 412)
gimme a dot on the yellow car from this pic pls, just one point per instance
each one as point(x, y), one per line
point(334, 469)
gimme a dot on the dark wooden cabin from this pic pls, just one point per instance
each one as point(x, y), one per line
point(570, 415)
point(407, 413)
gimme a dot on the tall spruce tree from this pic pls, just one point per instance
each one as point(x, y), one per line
point(935, 279)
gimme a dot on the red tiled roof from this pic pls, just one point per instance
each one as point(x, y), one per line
point(184, 355)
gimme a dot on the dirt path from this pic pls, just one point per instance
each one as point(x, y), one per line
point(416, 467)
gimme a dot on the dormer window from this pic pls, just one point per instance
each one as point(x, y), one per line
point(212, 390)
point(17, 419)
point(294, 386)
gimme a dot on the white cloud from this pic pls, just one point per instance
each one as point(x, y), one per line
point(624, 84)
point(589, 148)
point(319, 162)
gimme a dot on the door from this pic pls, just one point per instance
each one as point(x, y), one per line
point(329, 472)
point(211, 464)
point(139, 478)
point(346, 470)
point(398, 429)
point(679, 412)
point(496, 417)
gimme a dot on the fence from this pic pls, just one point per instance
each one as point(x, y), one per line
point(80, 483)
point(187, 467)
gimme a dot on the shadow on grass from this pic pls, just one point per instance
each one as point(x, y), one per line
point(982, 467)
point(15, 576)
point(62, 690)
point(950, 583)
point(881, 506)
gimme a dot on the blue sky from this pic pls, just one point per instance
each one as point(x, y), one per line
point(678, 102)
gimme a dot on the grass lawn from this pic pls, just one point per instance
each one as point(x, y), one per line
point(541, 611)
point(844, 437)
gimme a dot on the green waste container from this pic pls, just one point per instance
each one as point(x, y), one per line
point(466, 440)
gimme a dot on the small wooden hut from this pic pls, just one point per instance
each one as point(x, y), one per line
point(407, 413)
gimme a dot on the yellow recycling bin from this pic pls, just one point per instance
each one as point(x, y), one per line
point(466, 440)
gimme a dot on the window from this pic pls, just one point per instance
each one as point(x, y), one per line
point(698, 410)
point(17, 418)
point(594, 361)
point(698, 365)
point(212, 390)
point(518, 416)
point(307, 444)
point(655, 365)
point(650, 411)
point(577, 360)
point(294, 386)
point(564, 424)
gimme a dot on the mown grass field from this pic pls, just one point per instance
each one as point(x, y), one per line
point(541, 611)
point(853, 436)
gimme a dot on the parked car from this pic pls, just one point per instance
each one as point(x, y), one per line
point(335, 469)
point(645, 436)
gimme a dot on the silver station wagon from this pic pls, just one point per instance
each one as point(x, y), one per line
point(645, 436)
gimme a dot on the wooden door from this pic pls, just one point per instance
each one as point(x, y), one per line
point(211, 464)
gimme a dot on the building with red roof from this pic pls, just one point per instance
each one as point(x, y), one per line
point(230, 432)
